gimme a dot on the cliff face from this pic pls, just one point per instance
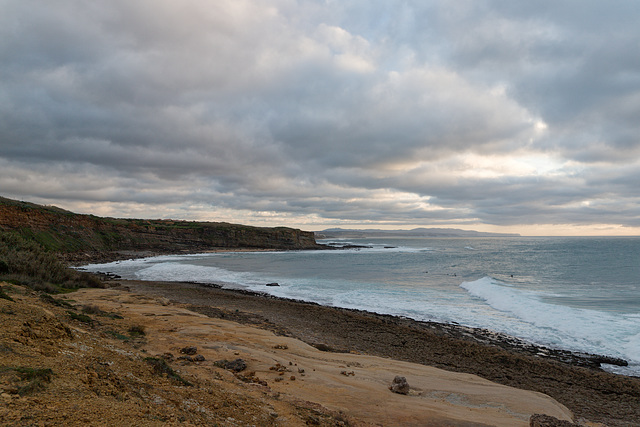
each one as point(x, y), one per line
point(75, 234)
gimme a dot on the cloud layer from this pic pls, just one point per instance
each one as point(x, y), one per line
point(478, 113)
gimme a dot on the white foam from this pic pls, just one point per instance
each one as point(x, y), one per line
point(574, 328)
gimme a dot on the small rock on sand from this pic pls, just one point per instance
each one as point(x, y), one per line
point(399, 385)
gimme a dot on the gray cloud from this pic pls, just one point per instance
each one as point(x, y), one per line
point(324, 112)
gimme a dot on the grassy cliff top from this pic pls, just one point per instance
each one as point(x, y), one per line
point(81, 235)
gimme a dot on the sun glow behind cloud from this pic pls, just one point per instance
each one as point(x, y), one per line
point(495, 166)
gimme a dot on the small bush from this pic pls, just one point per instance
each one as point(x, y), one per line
point(29, 374)
point(54, 301)
point(92, 309)
point(160, 367)
point(3, 295)
point(27, 263)
point(30, 282)
point(80, 317)
point(117, 335)
point(113, 315)
point(137, 331)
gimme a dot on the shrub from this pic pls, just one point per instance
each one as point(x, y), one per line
point(35, 379)
point(160, 367)
point(3, 295)
point(80, 317)
point(27, 263)
point(92, 309)
point(137, 331)
point(4, 267)
point(117, 335)
point(53, 301)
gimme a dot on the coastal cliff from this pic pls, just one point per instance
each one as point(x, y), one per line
point(78, 237)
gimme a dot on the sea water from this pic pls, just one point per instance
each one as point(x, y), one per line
point(580, 294)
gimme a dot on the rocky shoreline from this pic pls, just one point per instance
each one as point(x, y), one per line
point(478, 335)
point(574, 380)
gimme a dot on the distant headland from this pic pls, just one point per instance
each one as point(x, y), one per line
point(340, 233)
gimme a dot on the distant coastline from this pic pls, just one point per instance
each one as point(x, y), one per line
point(340, 233)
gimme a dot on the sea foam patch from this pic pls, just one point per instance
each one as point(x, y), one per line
point(578, 329)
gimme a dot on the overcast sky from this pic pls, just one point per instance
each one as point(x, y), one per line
point(513, 116)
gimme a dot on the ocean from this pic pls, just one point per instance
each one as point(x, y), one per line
point(574, 293)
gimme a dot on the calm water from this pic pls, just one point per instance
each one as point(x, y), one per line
point(580, 294)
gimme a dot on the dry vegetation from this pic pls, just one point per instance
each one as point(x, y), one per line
point(62, 363)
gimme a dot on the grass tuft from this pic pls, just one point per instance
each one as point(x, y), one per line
point(80, 317)
point(54, 301)
point(117, 335)
point(137, 331)
point(92, 309)
point(3, 295)
point(35, 378)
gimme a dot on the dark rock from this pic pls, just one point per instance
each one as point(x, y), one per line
point(233, 365)
point(322, 347)
point(199, 358)
point(189, 350)
point(272, 284)
point(399, 385)
point(541, 420)
point(167, 356)
point(313, 420)
point(609, 360)
point(186, 358)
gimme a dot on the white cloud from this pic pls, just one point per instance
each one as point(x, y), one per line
point(396, 112)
